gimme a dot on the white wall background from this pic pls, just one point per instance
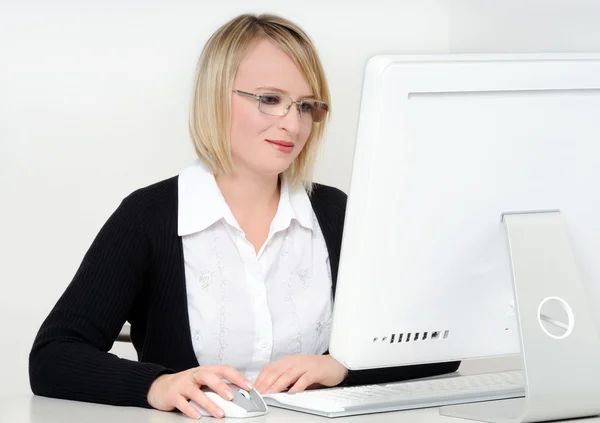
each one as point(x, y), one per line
point(94, 99)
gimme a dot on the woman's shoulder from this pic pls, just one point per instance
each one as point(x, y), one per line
point(149, 203)
point(326, 196)
point(155, 192)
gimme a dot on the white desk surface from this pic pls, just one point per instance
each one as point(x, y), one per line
point(27, 408)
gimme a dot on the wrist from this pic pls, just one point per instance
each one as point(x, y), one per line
point(154, 388)
point(343, 371)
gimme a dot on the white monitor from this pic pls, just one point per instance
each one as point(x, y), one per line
point(445, 145)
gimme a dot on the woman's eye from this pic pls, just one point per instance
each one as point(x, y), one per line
point(270, 99)
point(306, 107)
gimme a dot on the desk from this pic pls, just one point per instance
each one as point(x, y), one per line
point(27, 408)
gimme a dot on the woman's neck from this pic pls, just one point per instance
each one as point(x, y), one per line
point(248, 194)
point(253, 201)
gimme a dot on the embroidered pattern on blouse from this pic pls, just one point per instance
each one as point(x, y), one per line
point(206, 279)
point(323, 326)
point(223, 314)
point(196, 335)
point(295, 345)
point(304, 277)
point(318, 233)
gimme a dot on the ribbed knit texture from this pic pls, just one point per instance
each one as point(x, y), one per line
point(134, 271)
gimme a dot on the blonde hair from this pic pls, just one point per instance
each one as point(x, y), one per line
point(210, 114)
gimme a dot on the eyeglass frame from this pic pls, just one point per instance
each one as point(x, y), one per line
point(298, 103)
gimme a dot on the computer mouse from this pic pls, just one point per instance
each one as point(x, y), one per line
point(244, 404)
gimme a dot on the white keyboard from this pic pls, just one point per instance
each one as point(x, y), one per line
point(336, 402)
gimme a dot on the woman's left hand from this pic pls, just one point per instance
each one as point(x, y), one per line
point(301, 371)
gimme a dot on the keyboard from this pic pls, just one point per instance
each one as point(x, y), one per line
point(423, 393)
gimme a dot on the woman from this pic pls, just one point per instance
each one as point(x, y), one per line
point(227, 270)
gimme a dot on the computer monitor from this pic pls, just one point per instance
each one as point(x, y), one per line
point(445, 145)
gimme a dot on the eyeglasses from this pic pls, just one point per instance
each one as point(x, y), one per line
point(312, 111)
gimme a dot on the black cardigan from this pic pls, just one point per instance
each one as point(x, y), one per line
point(134, 271)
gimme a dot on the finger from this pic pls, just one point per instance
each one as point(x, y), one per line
point(260, 380)
point(214, 382)
point(266, 377)
point(203, 401)
point(270, 375)
point(302, 383)
point(233, 376)
point(285, 380)
point(186, 408)
point(196, 376)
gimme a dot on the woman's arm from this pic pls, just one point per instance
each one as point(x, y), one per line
point(69, 358)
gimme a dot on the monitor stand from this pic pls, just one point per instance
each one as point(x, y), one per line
point(561, 371)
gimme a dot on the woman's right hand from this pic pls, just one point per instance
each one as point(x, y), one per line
point(171, 391)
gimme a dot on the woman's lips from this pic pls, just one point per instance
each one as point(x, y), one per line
point(283, 146)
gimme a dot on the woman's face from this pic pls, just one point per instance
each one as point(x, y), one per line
point(261, 143)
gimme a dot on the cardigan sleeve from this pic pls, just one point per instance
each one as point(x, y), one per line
point(69, 358)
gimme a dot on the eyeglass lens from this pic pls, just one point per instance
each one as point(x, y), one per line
point(276, 105)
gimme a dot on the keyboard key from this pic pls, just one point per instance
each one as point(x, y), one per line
point(397, 396)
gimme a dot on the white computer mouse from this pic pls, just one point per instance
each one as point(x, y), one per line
point(244, 404)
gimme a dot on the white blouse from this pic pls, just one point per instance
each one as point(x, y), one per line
point(247, 309)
